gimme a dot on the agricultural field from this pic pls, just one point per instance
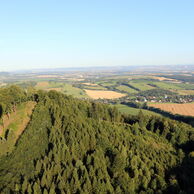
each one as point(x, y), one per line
point(62, 87)
point(126, 89)
point(95, 87)
point(181, 109)
point(107, 83)
point(167, 85)
point(141, 86)
point(164, 79)
point(185, 92)
point(90, 84)
point(42, 85)
point(76, 92)
point(116, 87)
point(186, 86)
point(134, 111)
point(100, 94)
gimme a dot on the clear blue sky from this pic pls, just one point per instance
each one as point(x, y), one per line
point(60, 33)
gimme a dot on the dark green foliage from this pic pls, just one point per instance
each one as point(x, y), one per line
point(156, 92)
point(75, 146)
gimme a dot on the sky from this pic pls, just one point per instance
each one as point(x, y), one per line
point(82, 33)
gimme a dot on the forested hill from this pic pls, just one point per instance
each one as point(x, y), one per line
point(76, 146)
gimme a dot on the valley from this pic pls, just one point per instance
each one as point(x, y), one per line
point(110, 134)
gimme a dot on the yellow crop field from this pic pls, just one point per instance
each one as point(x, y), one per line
point(182, 109)
point(97, 94)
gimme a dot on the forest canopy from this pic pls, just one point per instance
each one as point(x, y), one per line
point(81, 146)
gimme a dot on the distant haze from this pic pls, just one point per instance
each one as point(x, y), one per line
point(105, 69)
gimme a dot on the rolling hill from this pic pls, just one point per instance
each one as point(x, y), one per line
point(80, 146)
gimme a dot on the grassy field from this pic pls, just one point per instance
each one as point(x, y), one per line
point(167, 86)
point(96, 87)
point(141, 86)
point(107, 83)
point(76, 92)
point(126, 89)
point(62, 87)
point(185, 92)
point(133, 111)
point(186, 86)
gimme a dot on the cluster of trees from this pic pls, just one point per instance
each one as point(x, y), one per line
point(177, 133)
point(135, 104)
point(9, 98)
point(77, 146)
point(156, 92)
point(186, 119)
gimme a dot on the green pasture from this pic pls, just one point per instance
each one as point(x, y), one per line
point(134, 111)
point(126, 89)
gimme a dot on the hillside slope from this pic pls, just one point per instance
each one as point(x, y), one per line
point(75, 146)
point(12, 127)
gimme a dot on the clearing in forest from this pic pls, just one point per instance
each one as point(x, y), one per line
point(181, 109)
point(11, 128)
point(18, 120)
point(97, 94)
point(134, 111)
